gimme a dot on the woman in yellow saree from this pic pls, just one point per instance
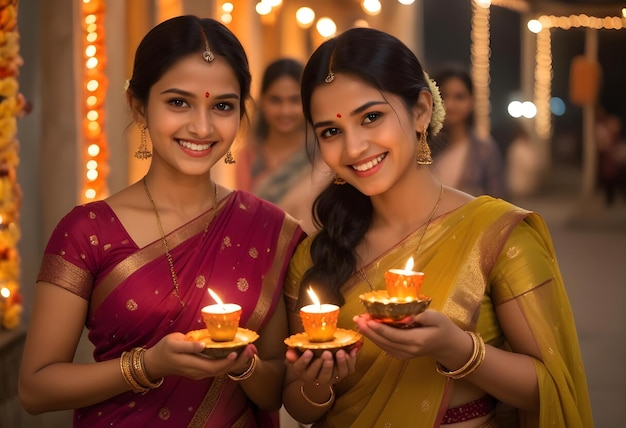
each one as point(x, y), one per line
point(498, 345)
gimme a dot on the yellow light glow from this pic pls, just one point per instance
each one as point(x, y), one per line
point(90, 50)
point(91, 28)
point(624, 13)
point(92, 164)
point(92, 100)
point(305, 17)
point(92, 37)
point(5, 292)
point(226, 18)
point(92, 63)
point(90, 193)
point(326, 27)
point(483, 3)
point(93, 150)
point(93, 127)
point(228, 7)
point(92, 115)
point(371, 7)
point(92, 85)
point(534, 26)
point(92, 175)
point(263, 8)
point(90, 19)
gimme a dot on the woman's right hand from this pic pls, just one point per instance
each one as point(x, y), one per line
point(174, 355)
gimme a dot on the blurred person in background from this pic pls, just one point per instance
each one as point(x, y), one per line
point(274, 165)
point(611, 155)
point(466, 161)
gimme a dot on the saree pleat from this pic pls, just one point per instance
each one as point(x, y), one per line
point(474, 258)
point(242, 255)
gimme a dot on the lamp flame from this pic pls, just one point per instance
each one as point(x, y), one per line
point(313, 297)
point(216, 298)
point(409, 264)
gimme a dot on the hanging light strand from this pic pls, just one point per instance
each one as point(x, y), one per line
point(95, 82)
point(480, 57)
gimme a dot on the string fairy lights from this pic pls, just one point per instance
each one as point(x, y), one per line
point(542, 26)
point(95, 148)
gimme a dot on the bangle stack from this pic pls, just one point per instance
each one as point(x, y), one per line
point(247, 373)
point(313, 403)
point(134, 371)
point(478, 355)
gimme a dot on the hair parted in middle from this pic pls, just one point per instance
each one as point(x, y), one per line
point(171, 40)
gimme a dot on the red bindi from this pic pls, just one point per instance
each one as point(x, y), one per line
point(206, 95)
point(339, 115)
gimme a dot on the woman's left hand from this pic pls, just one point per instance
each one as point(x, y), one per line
point(435, 335)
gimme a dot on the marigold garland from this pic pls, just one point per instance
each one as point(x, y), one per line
point(12, 106)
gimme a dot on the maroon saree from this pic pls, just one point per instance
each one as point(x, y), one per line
point(242, 256)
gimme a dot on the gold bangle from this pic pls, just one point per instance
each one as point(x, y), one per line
point(139, 370)
point(478, 355)
point(247, 373)
point(125, 367)
point(313, 403)
point(479, 359)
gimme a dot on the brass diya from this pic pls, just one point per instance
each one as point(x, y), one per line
point(216, 350)
point(391, 310)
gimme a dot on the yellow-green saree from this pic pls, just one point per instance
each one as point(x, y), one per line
point(475, 258)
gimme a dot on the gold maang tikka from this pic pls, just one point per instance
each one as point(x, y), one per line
point(330, 76)
point(207, 55)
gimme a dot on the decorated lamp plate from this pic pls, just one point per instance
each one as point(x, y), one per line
point(397, 313)
point(218, 350)
point(343, 339)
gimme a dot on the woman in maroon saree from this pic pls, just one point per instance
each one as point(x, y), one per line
point(135, 269)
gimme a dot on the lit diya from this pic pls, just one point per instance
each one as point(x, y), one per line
point(319, 320)
point(400, 300)
point(222, 334)
point(320, 329)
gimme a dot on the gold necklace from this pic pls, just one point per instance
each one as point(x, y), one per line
point(168, 255)
point(419, 242)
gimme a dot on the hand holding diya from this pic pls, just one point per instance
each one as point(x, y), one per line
point(320, 329)
point(222, 334)
point(400, 300)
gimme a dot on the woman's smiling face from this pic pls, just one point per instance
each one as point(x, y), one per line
point(193, 114)
point(366, 136)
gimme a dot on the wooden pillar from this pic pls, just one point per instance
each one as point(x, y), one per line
point(59, 179)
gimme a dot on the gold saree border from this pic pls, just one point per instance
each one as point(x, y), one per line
point(463, 303)
point(149, 253)
point(56, 270)
point(202, 415)
point(271, 279)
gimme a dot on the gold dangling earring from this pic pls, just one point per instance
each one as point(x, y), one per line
point(229, 159)
point(423, 150)
point(338, 180)
point(142, 152)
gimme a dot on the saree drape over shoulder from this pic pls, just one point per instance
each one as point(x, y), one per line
point(242, 255)
point(475, 258)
